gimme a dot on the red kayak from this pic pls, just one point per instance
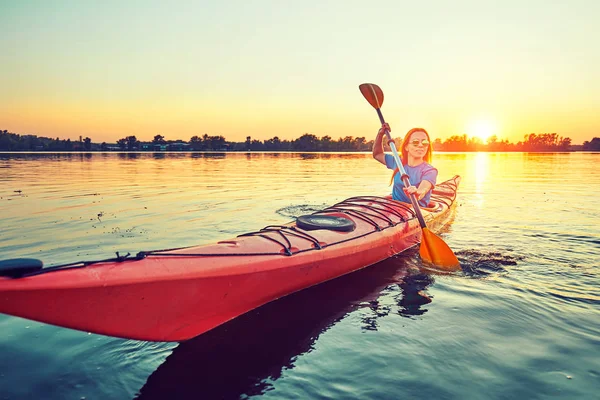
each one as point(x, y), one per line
point(177, 294)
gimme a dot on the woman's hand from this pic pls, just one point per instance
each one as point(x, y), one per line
point(410, 190)
point(419, 193)
point(383, 128)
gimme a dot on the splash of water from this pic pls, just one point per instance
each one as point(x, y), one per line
point(477, 264)
point(295, 211)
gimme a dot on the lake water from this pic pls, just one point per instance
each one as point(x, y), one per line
point(521, 322)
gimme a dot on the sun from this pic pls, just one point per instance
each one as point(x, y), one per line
point(482, 129)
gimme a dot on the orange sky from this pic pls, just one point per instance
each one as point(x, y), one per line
point(265, 68)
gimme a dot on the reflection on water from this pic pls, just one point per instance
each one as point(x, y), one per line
point(243, 357)
point(480, 166)
point(207, 155)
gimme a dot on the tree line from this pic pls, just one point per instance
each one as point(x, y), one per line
point(15, 142)
point(307, 142)
point(531, 142)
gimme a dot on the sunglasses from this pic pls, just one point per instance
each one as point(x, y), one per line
point(416, 142)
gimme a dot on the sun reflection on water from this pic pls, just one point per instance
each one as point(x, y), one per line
point(480, 167)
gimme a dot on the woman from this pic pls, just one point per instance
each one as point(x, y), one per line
point(415, 157)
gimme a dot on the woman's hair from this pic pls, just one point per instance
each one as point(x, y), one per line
point(405, 142)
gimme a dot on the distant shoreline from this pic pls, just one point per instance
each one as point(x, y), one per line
point(532, 143)
point(268, 151)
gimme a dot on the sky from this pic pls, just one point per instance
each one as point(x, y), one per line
point(266, 68)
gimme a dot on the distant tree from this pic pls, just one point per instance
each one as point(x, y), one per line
point(455, 143)
point(29, 142)
point(345, 144)
point(257, 145)
point(326, 143)
point(306, 142)
point(273, 144)
point(593, 145)
point(564, 143)
point(8, 141)
point(87, 144)
point(158, 139)
point(132, 143)
point(216, 143)
point(195, 143)
point(474, 144)
point(492, 143)
point(54, 145)
point(122, 143)
point(359, 143)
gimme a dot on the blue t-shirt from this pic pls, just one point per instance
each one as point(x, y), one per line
point(416, 175)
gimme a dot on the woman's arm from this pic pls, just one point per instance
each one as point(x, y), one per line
point(378, 153)
point(426, 184)
point(424, 187)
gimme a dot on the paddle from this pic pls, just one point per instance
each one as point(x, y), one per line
point(433, 249)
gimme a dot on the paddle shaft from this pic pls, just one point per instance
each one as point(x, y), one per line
point(404, 175)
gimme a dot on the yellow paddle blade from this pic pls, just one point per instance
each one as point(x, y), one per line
point(435, 251)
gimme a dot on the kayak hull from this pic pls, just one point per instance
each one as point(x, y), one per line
point(178, 294)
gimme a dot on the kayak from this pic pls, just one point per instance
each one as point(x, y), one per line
point(177, 294)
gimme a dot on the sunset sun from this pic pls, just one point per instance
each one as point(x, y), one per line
point(482, 129)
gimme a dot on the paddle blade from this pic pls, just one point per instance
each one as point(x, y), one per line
point(435, 251)
point(372, 93)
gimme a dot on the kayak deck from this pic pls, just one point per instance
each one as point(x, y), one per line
point(176, 294)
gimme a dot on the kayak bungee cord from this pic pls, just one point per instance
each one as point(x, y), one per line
point(443, 197)
point(282, 231)
point(348, 207)
point(77, 264)
point(355, 201)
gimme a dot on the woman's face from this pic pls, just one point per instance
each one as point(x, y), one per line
point(417, 145)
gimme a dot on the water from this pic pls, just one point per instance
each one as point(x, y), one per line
point(521, 321)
